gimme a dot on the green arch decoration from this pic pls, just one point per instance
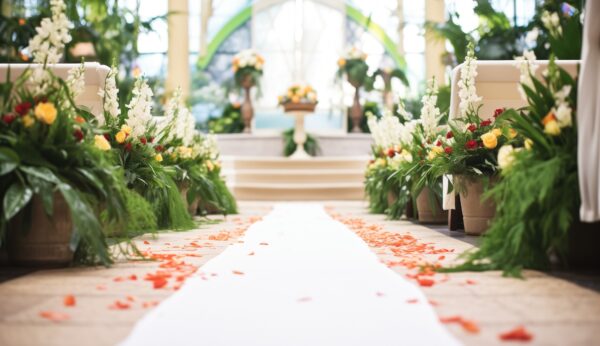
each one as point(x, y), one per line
point(245, 14)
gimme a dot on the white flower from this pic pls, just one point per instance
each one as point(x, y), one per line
point(140, 108)
point(110, 97)
point(179, 122)
point(430, 113)
point(52, 35)
point(76, 80)
point(562, 110)
point(551, 22)
point(527, 66)
point(467, 91)
point(532, 36)
point(506, 156)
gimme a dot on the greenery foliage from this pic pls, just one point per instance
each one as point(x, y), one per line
point(230, 120)
point(311, 146)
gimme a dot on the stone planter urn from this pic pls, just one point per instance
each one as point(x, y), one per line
point(356, 111)
point(430, 210)
point(247, 109)
point(477, 212)
point(299, 111)
point(35, 239)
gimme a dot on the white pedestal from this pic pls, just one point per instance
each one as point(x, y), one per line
point(299, 135)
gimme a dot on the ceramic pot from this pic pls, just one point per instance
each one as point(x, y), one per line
point(477, 212)
point(42, 240)
point(430, 210)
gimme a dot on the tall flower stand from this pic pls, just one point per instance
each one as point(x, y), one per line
point(247, 109)
point(299, 111)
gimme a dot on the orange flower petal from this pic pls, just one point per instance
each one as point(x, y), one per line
point(412, 301)
point(470, 282)
point(119, 305)
point(237, 272)
point(159, 283)
point(517, 334)
point(54, 316)
point(304, 299)
point(425, 282)
point(146, 242)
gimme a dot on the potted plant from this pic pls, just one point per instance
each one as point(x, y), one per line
point(538, 197)
point(469, 152)
point(54, 174)
point(354, 66)
point(299, 97)
point(247, 68)
point(132, 135)
point(424, 183)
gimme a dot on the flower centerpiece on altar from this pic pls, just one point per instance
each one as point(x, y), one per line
point(299, 97)
point(354, 66)
point(469, 151)
point(248, 69)
point(54, 174)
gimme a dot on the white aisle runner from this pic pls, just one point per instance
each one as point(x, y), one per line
point(315, 283)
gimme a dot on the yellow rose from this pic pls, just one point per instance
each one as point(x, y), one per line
point(341, 62)
point(210, 165)
point(528, 144)
point(126, 129)
point(46, 112)
point(435, 151)
point(101, 143)
point(158, 157)
point(552, 128)
point(490, 141)
point(120, 137)
point(497, 132)
point(28, 121)
point(512, 133)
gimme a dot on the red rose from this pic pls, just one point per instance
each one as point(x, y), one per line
point(23, 108)
point(498, 111)
point(448, 150)
point(107, 136)
point(471, 144)
point(472, 127)
point(143, 140)
point(8, 118)
point(391, 153)
point(438, 143)
point(449, 134)
point(151, 139)
point(127, 146)
point(43, 99)
point(487, 122)
point(78, 134)
point(158, 148)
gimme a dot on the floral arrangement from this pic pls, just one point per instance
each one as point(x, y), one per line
point(415, 174)
point(247, 68)
point(49, 150)
point(386, 195)
point(534, 216)
point(299, 93)
point(470, 146)
point(353, 64)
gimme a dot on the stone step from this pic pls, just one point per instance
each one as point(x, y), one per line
point(298, 191)
point(338, 162)
point(294, 175)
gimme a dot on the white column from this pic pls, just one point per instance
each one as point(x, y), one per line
point(434, 47)
point(205, 13)
point(178, 69)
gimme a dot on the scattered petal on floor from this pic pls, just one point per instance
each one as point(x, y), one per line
point(54, 316)
point(304, 299)
point(412, 301)
point(470, 282)
point(517, 334)
point(119, 305)
point(69, 300)
point(237, 272)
